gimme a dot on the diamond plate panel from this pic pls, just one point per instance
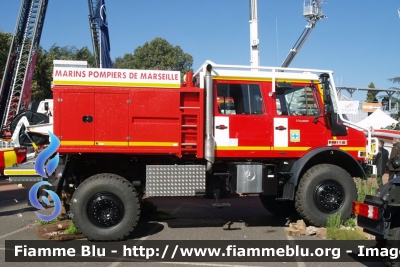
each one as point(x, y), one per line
point(249, 179)
point(175, 180)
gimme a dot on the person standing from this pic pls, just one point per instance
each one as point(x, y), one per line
point(380, 160)
point(398, 124)
point(394, 171)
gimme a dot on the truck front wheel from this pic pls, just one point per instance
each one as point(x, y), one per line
point(105, 207)
point(325, 190)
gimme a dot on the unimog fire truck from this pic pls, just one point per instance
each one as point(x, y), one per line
point(276, 132)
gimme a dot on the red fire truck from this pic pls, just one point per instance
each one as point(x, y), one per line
point(276, 132)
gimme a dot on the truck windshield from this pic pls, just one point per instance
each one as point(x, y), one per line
point(299, 101)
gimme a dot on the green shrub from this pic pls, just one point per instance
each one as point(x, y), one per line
point(334, 221)
point(350, 222)
point(56, 220)
point(364, 188)
point(72, 230)
point(343, 234)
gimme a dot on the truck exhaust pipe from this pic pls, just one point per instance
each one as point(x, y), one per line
point(209, 142)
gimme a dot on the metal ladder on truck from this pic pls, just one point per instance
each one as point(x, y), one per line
point(15, 94)
point(95, 31)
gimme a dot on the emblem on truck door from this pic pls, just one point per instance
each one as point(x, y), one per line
point(294, 135)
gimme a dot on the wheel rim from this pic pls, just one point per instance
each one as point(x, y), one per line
point(329, 196)
point(105, 210)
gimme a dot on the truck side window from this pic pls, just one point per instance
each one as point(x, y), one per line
point(239, 99)
point(299, 101)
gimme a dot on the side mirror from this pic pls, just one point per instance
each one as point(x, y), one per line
point(46, 106)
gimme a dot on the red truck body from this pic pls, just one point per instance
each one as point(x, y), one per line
point(170, 121)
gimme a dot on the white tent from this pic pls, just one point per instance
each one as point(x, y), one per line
point(377, 120)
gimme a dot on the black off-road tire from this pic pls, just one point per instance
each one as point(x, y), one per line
point(280, 208)
point(325, 190)
point(105, 207)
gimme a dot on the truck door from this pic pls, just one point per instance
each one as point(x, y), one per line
point(112, 121)
point(74, 119)
point(240, 123)
point(297, 126)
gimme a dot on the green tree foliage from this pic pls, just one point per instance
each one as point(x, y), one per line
point(371, 95)
point(41, 85)
point(158, 54)
point(5, 42)
point(85, 54)
point(42, 77)
point(395, 80)
point(394, 99)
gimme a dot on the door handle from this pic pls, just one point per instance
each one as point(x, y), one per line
point(221, 127)
point(87, 119)
point(280, 128)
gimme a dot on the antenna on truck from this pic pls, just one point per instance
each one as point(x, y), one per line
point(254, 41)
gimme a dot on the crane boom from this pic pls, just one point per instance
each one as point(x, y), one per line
point(313, 12)
point(15, 91)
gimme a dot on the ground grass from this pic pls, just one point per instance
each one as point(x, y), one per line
point(343, 234)
point(335, 231)
point(365, 187)
point(72, 230)
point(56, 220)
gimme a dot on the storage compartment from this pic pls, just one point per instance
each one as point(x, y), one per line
point(247, 178)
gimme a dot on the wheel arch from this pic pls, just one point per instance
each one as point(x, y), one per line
point(317, 156)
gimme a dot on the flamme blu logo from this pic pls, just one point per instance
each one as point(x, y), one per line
point(46, 172)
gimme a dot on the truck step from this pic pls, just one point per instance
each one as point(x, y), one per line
point(282, 199)
point(19, 179)
point(220, 205)
point(221, 174)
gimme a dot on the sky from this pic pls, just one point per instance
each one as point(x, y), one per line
point(359, 40)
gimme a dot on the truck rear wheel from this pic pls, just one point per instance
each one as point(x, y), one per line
point(105, 207)
point(278, 207)
point(325, 190)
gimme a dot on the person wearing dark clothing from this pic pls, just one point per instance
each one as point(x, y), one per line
point(380, 160)
point(394, 172)
point(398, 124)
